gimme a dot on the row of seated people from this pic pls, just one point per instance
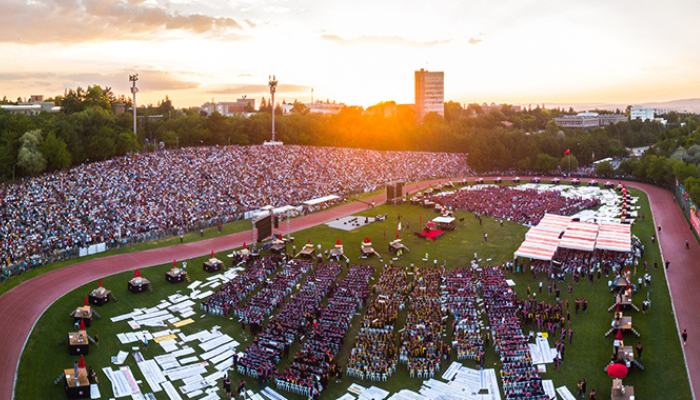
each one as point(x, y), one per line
point(311, 366)
point(232, 292)
point(273, 293)
point(422, 347)
point(461, 300)
point(292, 321)
point(374, 355)
point(518, 374)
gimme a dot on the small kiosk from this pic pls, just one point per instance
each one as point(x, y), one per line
point(175, 275)
point(213, 265)
point(309, 251)
point(83, 315)
point(396, 245)
point(278, 246)
point(138, 284)
point(337, 252)
point(78, 342)
point(620, 392)
point(77, 386)
point(99, 296)
point(366, 249)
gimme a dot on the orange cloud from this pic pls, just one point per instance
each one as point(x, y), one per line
point(73, 21)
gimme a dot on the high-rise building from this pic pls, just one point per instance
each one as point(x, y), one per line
point(430, 92)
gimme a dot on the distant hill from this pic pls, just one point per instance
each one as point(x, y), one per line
point(685, 105)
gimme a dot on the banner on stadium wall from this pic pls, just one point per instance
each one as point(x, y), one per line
point(694, 212)
point(694, 220)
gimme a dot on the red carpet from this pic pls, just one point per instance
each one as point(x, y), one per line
point(432, 235)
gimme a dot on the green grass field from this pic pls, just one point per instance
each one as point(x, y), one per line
point(44, 359)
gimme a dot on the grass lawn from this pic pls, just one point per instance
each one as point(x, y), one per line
point(44, 359)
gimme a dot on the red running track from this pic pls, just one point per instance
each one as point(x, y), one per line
point(19, 309)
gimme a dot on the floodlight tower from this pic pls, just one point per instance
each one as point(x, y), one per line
point(134, 90)
point(273, 88)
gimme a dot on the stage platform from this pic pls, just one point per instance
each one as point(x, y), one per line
point(349, 223)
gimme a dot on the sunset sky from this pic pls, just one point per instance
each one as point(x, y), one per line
point(358, 52)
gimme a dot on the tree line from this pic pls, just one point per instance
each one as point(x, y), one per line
point(498, 139)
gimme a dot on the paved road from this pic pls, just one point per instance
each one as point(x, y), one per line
point(20, 309)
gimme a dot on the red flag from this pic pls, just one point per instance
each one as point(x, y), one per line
point(85, 302)
point(244, 246)
point(309, 240)
point(397, 233)
point(81, 363)
point(100, 282)
point(174, 263)
point(137, 273)
point(212, 254)
point(421, 219)
point(566, 152)
point(82, 325)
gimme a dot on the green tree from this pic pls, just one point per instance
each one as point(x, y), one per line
point(55, 152)
point(604, 169)
point(30, 158)
point(568, 163)
point(545, 163)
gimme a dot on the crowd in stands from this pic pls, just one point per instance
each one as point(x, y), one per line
point(520, 378)
point(524, 206)
point(147, 196)
point(374, 355)
point(310, 370)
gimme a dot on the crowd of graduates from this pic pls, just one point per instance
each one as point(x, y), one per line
point(235, 290)
point(311, 368)
point(422, 346)
point(294, 320)
point(526, 206)
point(375, 354)
point(520, 378)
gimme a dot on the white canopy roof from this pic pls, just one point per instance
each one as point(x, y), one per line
point(321, 200)
point(443, 220)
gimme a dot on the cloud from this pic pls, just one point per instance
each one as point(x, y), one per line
point(239, 89)
point(149, 80)
point(382, 40)
point(77, 21)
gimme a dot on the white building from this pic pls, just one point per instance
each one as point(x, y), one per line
point(430, 92)
point(317, 107)
point(228, 108)
point(643, 113)
point(35, 105)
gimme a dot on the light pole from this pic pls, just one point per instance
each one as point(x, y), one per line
point(134, 90)
point(273, 88)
